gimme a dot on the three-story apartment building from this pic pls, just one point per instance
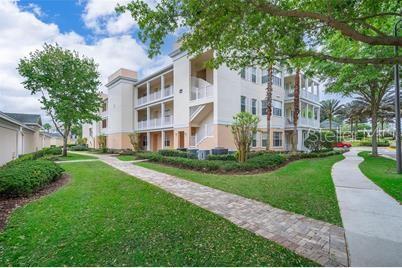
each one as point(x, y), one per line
point(187, 105)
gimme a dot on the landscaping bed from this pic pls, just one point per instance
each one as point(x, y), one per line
point(258, 161)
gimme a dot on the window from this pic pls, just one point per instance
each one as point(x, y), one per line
point(264, 138)
point(254, 142)
point(104, 123)
point(264, 77)
point(104, 106)
point(277, 139)
point(253, 106)
point(276, 108)
point(144, 141)
point(315, 113)
point(254, 75)
point(91, 132)
point(243, 73)
point(242, 103)
point(277, 77)
point(264, 107)
point(167, 140)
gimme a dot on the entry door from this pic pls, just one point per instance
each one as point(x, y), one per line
point(181, 139)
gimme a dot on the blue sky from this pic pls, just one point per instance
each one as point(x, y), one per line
point(90, 27)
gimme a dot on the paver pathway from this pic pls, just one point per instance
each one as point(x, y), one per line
point(313, 239)
point(371, 218)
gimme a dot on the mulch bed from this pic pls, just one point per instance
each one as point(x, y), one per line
point(8, 205)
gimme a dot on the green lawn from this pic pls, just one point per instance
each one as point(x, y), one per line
point(104, 217)
point(74, 156)
point(304, 186)
point(382, 171)
point(126, 157)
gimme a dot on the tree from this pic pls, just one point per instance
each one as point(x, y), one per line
point(243, 128)
point(369, 84)
point(269, 105)
point(263, 31)
point(135, 141)
point(330, 109)
point(47, 127)
point(296, 109)
point(68, 86)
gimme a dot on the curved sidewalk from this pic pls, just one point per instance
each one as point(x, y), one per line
point(371, 218)
point(317, 240)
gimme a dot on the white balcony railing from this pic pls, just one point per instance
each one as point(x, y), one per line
point(168, 121)
point(303, 94)
point(200, 89)
point(142, 100)
point(156, 95)
point(305, 122)
point(142, 125)
point(203, 132)
point(156, 122)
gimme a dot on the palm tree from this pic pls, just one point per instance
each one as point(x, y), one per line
point(269, 105)
point(330, 109)
point(296, 110)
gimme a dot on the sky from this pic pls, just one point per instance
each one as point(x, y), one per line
point(90, 27)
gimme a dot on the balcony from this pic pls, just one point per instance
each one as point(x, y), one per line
point(156, 95)
point(156, 123)
point(303, 122)
point(303, 94)
point(200, 89)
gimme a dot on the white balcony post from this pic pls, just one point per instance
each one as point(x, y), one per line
point(162, 86)
point(163, 140)
point(162, 114)
point(148, 117)
point(148, 141)
point(148, 91)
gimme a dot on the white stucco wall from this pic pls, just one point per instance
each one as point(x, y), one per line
point(8, 143)
point(182, 84)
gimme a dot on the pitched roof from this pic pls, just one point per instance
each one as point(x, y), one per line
point(28, 119)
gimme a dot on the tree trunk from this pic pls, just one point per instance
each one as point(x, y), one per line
point(374, 148)
point(269, 106)
point(65, 139)
point(330, 122)
point(296, 103)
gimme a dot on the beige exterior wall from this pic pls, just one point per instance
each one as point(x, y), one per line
point(8, 143)
point(118, 141)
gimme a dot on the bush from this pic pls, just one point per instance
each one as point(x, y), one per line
point(52, 151)
point(25, 177)
point(80, 147)
point(173, 153)
point(380, 143)
point(318, 140)
point(222, 157)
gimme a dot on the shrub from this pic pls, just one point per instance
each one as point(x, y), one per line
point(80, 147)
point(173, 153)
point(380, 143)
point(222, 157)
point(318, 140)
point(52, 151)
point(26, 177)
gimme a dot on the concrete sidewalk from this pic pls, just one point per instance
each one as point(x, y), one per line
point(371, 218)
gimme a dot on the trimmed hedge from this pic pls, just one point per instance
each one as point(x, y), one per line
point(79, 147)
point(380, 143)
point(258, 161)
point(222, 157)
point(25, 177)
point(173, 153)
point(50, 151)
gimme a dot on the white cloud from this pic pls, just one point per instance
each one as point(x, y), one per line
point(22, 32)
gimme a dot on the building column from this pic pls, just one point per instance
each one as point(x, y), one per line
point(162, 114)
point(163, 139)
point(162, 86)
point(148, 90)
point(148, 117)
point(148, 141)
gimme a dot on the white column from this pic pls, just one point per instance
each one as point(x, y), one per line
point(162, 86)
point(148, 90)
point(163, 139)
point(162, 114)
point(148, 117)
point(148, 141)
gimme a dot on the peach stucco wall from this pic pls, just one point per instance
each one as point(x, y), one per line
point(118, 141)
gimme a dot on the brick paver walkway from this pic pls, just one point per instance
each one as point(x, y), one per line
point(313, 239)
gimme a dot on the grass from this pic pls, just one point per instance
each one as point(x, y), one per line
point(382, 171)
point(104, 217)
point(304, 186)
point(126, 157)
point(73, 156)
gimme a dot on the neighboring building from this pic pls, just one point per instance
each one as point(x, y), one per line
point(335, 125)
point(20, 134)
point(188, 105)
